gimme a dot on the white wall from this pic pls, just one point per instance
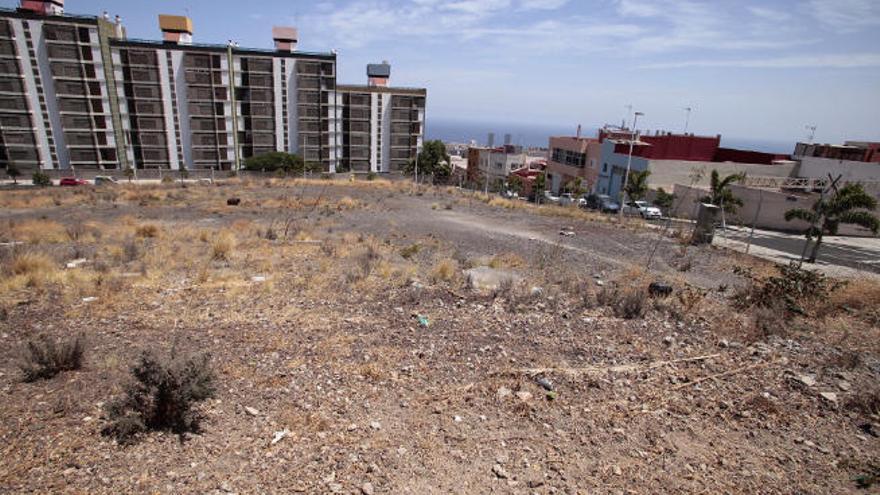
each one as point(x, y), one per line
point(668, 173)
point(819, 168)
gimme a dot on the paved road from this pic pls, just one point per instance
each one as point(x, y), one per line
point(853, 252)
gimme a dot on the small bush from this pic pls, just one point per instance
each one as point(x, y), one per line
point(161, 396)
point(40, 179)
point(222, 247)
point(45, 358)
point(410, 251)
point(167, 179)
point(794, 289)
point(147, 231)
point(444, 271)
point(28, 263)
point(627, 303)
point(371, 176)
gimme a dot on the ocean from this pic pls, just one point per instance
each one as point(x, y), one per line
point(535, 135)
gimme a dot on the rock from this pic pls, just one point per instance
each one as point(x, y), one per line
point(376, 425)
point(844, 385)
point(669, 340)
point(524, 396)
point(335, 487)
point(367, 489)
point(724, 344)
point(600, 283)
point(251, 411)
point(352, 427)
point(503, 392)
point(233, 201)
point(536, 292)
point(89, 299)
point(500, 471)
point(829, 396)
point(616, 470)
point(659, 289)
point(545, 383)
point(280, 435)
point(258, 278)
point(457, 419)
point(806, 380)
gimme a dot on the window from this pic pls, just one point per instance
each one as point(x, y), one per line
point(604, 167)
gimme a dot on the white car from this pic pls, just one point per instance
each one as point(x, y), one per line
point(550, 198)
point(643, 209)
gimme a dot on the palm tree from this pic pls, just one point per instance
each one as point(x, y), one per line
point(720, 194)
point(848, 205)
point(637, 186)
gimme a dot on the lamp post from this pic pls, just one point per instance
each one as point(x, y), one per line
point(632, 139)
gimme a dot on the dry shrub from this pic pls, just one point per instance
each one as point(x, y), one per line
point(793, 289)
point(769, 321)
point(31, 263)
point(860, 295)
point(347, 203)
point(37, 232)
point(147, 231)
point(162, 396)
point(45, 358)
point(507, 260)
point(223, 246)
point(866, 401)
point(364, 261)
point(410, 251)
point(445, 270)
point(627, 303)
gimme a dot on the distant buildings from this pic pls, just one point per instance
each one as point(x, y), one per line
point(74, 92)
point(492, 166)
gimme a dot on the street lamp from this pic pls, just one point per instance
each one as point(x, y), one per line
point(633, 137)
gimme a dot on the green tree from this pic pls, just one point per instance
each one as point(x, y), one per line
point(576, 186)
point(129, 172)
point(539, 186)
point(664, 199)
point(849, 205)
point(515, 183)
point(40, 179)
point(433, 160)
point(637, 187)
point(276, 160)
point(13, 172)
point(720, 194)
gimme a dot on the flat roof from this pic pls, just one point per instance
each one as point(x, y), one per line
point(355, 88)
point(24, 14)
point(215, 48)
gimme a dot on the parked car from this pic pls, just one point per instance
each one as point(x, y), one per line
point(105, 179)
point(508, 194)
point(550, 198)
point(566, 199)
point(601, 202)
point(73, 181)
point(643, 209)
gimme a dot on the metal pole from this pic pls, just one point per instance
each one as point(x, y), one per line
point(632, 138)
point(755, 220)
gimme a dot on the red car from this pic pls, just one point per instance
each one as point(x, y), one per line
point(73, 181)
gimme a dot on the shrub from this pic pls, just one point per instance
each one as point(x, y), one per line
point(410, 251)
point(161, 396)
point(29, 263)
point(371, 176)
point(275, 161)
point(40, 179)
point(222, 247)
point(147, 230)
point(627, 303)
point(45, 358)
point(444, 271)
point(794, 288)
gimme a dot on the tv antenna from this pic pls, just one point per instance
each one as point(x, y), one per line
point(812, 134)
point(687, 118)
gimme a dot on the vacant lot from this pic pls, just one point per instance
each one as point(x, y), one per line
point(353, 353)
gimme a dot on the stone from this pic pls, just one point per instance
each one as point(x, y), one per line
point(807, 380)
point(280, 435)
point(367, 489)
point(844, 385)
point(544, 383)
point(258, 278)
point(376, 425)
point(669, 340)
point(457, 419)
point(829, 396)
point(503, 392)
point(335, 487)
point(524, 396)
point(500, 471)
point(251, 411)
point(616, 470)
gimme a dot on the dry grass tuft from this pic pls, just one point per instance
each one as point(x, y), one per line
point(446, 270)
point(31, 263)
point(147, 231)
point(347, 203)
point(223, 246)
point(507, 260)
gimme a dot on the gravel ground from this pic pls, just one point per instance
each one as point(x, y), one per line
point(539, 391)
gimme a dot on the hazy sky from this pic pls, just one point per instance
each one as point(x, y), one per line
point(749, 68)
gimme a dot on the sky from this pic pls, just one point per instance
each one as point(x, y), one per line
point(747, 68)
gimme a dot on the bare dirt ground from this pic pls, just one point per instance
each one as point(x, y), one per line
point(342, 313)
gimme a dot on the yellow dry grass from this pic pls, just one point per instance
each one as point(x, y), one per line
point(35, 232)
point(222, 246)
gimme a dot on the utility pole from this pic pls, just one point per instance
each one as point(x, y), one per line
point(632, 138)
point(687, 119)
point(812, 135)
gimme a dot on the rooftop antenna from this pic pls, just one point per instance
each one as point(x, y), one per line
point(812, 135)
point(629, 111)
point(687, 118)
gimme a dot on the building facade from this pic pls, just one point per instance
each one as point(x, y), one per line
point(573, 158)
point(75, 92)
point(383, 126)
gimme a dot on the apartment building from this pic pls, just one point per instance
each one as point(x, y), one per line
point(75, 92)
point(56, 104)
point(383, 127)
point(212, 106)
point(572, 158)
